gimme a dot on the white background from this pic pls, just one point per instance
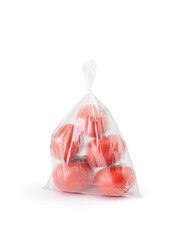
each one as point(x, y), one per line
point(43, 45)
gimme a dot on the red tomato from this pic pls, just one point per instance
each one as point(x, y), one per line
point(73, 177)
point(92, 121)
point(115, 181)
point(105, 151)
point(65, 145)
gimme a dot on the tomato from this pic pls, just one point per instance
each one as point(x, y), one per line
point(65, 145)
point(92, 121)
point(105, 151)
point(115, 181)
point(73, 177)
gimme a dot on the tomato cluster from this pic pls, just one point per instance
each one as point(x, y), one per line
point(75, 173)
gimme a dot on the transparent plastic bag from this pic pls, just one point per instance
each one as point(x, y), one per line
point(89, 154)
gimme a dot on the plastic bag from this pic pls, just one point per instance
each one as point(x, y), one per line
point(89, 154)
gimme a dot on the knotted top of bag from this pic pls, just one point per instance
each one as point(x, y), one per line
point(89, 69)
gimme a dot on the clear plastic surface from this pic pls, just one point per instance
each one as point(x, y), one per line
point(88, 153)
